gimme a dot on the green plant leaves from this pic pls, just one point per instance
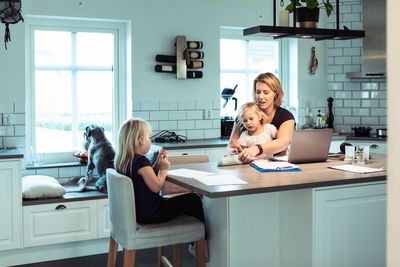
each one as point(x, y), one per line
point(311, 4)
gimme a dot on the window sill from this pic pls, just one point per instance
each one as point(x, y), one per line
point(54, 165)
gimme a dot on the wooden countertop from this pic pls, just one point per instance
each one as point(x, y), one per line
point(311, 176)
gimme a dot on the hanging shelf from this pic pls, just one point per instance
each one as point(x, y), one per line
point(306, 33)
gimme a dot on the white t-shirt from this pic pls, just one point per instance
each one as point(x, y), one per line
point(267, 135)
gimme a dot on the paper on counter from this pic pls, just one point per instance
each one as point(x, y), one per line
point(356, 168)
point(208, 178)
point(220, 179)
point(188, 173)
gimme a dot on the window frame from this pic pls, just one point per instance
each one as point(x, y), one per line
point(283, 47)
point(121, 93)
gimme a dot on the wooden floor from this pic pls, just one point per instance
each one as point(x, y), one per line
point(144, 258)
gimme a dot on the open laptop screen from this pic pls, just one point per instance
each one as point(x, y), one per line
point(310, 145)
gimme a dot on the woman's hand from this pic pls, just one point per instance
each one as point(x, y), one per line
point(249, 154)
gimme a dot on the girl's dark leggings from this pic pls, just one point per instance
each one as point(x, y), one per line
point(170, 208)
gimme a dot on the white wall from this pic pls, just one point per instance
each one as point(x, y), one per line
point(154, 27)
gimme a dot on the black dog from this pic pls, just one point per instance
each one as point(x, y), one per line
point(100, 156)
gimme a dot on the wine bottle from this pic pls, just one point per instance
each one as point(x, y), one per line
point(195, 64)
point(172, 59)
point(194, 44)
point(165, 68)
point(172, 69)
point(191, 64)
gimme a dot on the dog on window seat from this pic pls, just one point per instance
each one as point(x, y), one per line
point(100, 157)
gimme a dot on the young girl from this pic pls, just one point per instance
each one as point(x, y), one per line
point(257, 131)
point(134, 143)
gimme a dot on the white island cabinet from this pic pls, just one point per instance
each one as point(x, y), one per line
point(338, 226)
point(10, 204)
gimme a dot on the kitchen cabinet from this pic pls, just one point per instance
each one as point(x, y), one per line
point(10, 204)
point(103, 225)
point(337, 226)
point(59, 222)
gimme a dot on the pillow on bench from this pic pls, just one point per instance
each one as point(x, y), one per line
point(41, 186)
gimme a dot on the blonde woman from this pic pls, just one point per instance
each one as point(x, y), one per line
point(268, 94)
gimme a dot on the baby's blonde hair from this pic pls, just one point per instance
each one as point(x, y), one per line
point(131, 136)
point(253, 107)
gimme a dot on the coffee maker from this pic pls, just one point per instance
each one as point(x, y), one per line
point(226, 120)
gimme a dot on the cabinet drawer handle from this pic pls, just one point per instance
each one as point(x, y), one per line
point(61, 207)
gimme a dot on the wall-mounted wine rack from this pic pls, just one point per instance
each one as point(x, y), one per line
point(187, 61)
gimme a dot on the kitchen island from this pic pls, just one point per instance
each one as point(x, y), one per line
point(317, 217)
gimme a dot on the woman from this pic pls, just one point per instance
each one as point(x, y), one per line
point(268, 94)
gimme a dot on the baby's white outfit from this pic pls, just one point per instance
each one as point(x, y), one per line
point(267, 135)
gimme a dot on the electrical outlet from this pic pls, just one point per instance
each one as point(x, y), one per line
point(208, 114)
point(260, 17)
point(7, 119)
point(79, 3)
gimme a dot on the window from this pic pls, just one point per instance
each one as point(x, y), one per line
point(241, 61)
point(74, 81)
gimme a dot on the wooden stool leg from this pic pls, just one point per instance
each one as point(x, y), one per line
point(161, 251)
point(129, 258)
point(112, 252)
point(200, 253)
point(177, 254)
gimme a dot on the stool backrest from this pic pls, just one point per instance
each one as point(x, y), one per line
point(121, 198)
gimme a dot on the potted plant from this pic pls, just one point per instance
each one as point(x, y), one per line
point(308, 11)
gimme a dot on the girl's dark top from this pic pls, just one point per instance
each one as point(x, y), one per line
point(281, 115)
point(146, 201)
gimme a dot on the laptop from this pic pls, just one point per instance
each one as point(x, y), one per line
point(309, 146)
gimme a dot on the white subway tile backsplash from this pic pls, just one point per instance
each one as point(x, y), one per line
point(19, 130)
point(383, 103)
point(360, 94)
point(356, 60)
point(19, 107)
point(369, 86)
point(177, 115)
point(216, 123)
point(378, 94)
point(342, 111)
point(150, 105)
point(345, 43)
point(351, 103)
point(158, 115)
point(145, 115)
point(335, 52)
point(17, 118)
point(352, 17)
point(168, 105)
point(154, 126)
point(352, 68)
point(352, 86)
point(333, 69)
point(369, 120)
point(351, 120)
point(186, 125)
point(216, 104)
point(342, 60)
point(361, 112)
point(194, 114)
point(195, 134)
point(343, 94)
point(352, 51)
point(186, 104)
point(168, 125)
point(370, 103)
point(203, 124)
point(204, 104)
point(212, 133)
point(356, 25)
point(136, 105)
point(378, 111)
point(6, 107)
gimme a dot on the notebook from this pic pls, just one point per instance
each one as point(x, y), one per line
point(308, 146)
